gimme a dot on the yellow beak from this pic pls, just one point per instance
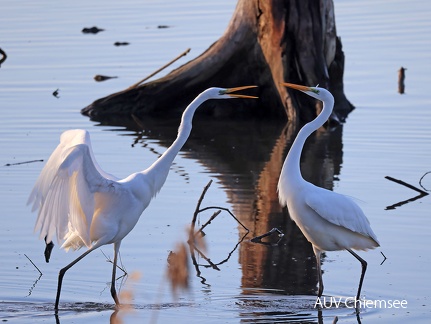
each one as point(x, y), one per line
point(230, 90)
point(296, 86)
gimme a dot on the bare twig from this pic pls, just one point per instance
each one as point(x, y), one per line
point(407, 185)
point(108, 259)
point(193, 235)
point(208, 222)
point(384, 256)
point(401, 77)
point(160, 69)
point(4, 56)
point(203, 256)
point(25, 162)
point(226, 210)
point(33, 263)
point(421, 193)
point(198, 205)
point(420, 181)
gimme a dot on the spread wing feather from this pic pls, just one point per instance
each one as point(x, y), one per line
point(64, 191)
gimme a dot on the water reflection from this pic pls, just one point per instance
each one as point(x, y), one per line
point(246, 156)
point(290, 266)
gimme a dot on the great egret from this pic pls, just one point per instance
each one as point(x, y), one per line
point(330, 221)
point(85, 206)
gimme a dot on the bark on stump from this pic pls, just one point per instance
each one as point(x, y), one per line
point(265, 43)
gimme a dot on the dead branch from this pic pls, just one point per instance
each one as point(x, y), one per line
point(420, 181)
point(25, 162)
point(4, 56)
point(108, 259)
point(160, 69)
point(208, 222)
point(192, 234)
point(384, 256)
point(33, 264)
point(401, 77)
point(407, 185)
point(421, 193)
point(226, 210)
point(195, 214)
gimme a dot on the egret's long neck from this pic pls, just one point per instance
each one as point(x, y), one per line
point(159, 170)
point(292, 162)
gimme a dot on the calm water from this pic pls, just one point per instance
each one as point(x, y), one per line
point(387, 135)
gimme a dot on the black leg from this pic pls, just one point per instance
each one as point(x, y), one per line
point(319, 271)
point(364, 268)
point(114, 270)
point(62, 273)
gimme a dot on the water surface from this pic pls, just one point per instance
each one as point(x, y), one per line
point(387, 135)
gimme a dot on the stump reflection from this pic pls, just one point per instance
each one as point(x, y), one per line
point(246, 156)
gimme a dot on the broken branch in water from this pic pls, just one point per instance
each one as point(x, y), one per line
point(122, 269)
point(160, 69)
point(226, 210)
point(25, 162)
point(421, 193)
point(4, 56)
point(199, 210)
point(208, 222)
point(37, 280)
point(33, 264)
point(195, 240)
point(401, 77)
point(420, 181)
point(198, 205)
point(384, 256)
point(407, 185)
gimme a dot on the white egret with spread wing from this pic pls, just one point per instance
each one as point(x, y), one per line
point(82, 205)
point(330, 221)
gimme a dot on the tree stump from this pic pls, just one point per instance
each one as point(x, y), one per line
point(265, 43)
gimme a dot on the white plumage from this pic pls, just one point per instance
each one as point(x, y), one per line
point(82, 205)
point(330, 221)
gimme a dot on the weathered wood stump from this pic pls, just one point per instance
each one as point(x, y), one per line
point(265, 43)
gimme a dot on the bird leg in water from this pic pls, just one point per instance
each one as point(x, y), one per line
point(317, 253)
point(63, 271)
point(364, 268)
point(114, 268)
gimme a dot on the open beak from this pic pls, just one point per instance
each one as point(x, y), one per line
point(235, 95)
point(296, 86)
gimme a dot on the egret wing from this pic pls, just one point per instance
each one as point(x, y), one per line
point(64, 191)
point(339, 210)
